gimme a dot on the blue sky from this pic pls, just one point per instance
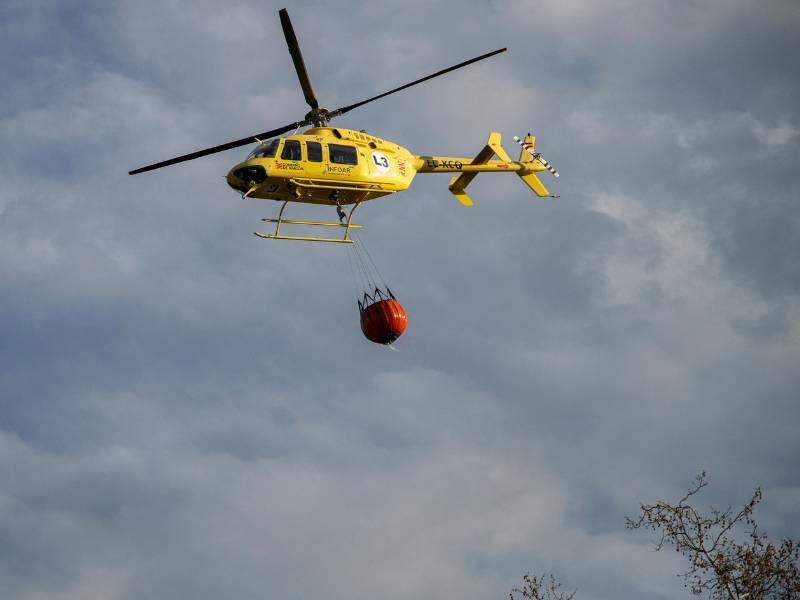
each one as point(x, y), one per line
point(189, 411)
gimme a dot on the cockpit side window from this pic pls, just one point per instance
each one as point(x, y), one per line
point(291, 150)
point(314, 151)
point(343, 155)
point(266, 150)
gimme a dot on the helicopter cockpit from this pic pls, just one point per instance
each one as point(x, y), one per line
point(265, 150)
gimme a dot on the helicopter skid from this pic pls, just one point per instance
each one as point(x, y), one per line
point(347, 226)
point(266, 236)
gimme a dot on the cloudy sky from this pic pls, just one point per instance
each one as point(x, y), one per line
point(187, 411)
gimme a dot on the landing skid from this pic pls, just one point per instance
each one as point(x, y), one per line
point(347, 226)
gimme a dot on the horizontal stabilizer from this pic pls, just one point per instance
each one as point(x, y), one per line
point(492, 147)
point(457, 185)
point(533, 182)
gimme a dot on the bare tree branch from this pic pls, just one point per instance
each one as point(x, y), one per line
point(720, 565)
point(540, 588)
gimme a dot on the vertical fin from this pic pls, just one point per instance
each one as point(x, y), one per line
point(528, 147)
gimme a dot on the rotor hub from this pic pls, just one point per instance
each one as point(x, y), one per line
point(318, 116)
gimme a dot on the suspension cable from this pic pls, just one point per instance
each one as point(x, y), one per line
point(364, 270)
point(359, 267)
point(358, 246)
point(372, 262)
point(354, 274)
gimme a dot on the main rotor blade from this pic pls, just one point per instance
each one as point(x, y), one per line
point(344, 109)
point(253, 139)
point(297, 58)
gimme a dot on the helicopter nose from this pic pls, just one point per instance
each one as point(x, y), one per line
point(251, 173)
point(244, 178)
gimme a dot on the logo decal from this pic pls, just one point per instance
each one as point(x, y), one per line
point(380, 161)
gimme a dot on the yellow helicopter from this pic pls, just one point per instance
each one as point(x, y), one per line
point(341, 167)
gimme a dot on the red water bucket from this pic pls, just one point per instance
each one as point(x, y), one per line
point(384, 321)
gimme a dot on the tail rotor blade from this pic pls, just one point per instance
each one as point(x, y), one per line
point(297, 58)
point(549, 167)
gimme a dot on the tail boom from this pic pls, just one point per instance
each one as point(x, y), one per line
point(451, 164)
point(482, 163)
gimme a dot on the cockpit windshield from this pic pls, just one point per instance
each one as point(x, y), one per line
point(265, 150)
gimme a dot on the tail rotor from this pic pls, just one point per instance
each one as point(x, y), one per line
point(528, 146)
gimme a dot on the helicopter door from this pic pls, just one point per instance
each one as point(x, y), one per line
point(291, 150)
point(343, 159)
